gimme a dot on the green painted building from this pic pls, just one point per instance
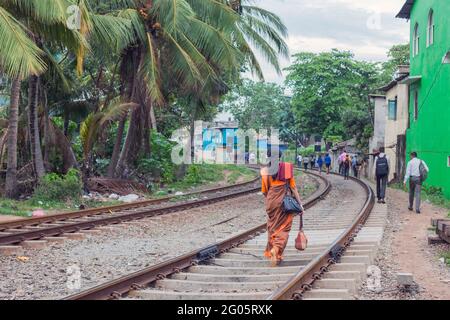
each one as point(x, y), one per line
point(429, 105)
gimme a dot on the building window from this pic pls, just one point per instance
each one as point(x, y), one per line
point(416, 105)
point(430, 29)
point(416, 40)
point(392, 109)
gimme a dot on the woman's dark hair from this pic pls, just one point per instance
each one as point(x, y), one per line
point(414, 154)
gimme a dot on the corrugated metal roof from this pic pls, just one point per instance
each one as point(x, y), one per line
point(405, 12)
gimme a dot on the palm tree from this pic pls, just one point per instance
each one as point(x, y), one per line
point(20, 57)
point(174, 48)
point(26, 26)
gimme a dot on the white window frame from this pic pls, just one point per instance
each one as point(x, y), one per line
point(430, 28)
point(416, 40)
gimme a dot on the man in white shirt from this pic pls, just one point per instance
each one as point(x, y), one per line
point(415, 180)
point(299, 160)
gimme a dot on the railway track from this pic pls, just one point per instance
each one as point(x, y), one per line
point(72, 225)
point(235, 268)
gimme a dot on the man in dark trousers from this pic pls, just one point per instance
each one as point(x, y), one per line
point(415, 175)
point(381, 174)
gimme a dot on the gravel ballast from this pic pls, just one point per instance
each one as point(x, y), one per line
point(48, 273)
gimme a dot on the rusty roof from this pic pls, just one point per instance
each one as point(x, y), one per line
point(405, 12)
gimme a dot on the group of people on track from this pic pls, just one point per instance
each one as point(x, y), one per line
point(279, 182)
point(313, 161)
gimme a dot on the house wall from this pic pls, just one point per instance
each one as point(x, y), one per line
point(397, 127)
point(429, 135)
point(378, 137)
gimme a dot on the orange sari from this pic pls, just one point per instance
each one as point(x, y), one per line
point(278, 224)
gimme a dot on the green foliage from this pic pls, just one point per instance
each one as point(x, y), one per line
point(159, 165)
point(446, 256)
point(14, 208)
point(306, 152)
point(398, 55)
point(256, 105)
point(54, 187)
point(328, 85)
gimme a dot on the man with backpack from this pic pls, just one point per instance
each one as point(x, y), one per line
point(417, 172)
point(328, 162)
point(381, 174)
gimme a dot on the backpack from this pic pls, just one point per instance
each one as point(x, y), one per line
point(423, 172)
point(382, 166)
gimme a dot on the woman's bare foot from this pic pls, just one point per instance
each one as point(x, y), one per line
point(274, 257)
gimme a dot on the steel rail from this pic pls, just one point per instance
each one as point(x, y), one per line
point(303, 281)
point(109, 209)
point(138, 280)
point(18, 237)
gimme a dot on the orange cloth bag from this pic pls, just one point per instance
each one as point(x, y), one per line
point(301, 242)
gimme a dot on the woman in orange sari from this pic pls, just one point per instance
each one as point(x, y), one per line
point(278, 224)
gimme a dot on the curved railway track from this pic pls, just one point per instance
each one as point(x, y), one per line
point(235, 268)
point(66, 224)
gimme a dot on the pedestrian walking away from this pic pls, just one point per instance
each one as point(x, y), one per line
point(381, 168)
point(299, 160)
point(328, 162)
point(341, 160)
point(279, 224)
point(416, 172)
point(355, 166)
point(312, 161)
point(305, 163)
point(320, 163)
point(346, 167)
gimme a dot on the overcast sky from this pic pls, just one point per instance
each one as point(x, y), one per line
point(368, 28)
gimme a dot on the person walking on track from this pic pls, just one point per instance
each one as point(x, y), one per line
point(381, 168)
point(305, 163)
point(341, 162)
point(355, 166)
point(299, 160)
point(346, 167)
point(312, 161)
point(417, 172)
point(320, 163)
point(328, 162)
point(275, 187)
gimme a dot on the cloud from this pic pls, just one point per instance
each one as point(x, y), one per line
point(368, 28)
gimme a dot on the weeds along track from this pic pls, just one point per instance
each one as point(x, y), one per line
point(73, 224)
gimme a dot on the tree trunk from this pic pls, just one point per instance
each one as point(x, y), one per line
point(46, 130)
point(66, 123)
point(153, 117)
point(36, 151)
point(131, 146)
point(116, 151)
point(11, 172)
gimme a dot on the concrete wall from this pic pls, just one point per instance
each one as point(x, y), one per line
point(378, 137)
point(397, 127)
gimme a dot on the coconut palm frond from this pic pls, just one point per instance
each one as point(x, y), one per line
point(150, 73)
point(173, 15)
point(269, 18)
point(43, 11)
point(19, 55)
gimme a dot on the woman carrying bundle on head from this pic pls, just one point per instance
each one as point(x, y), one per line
point(278, 181)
